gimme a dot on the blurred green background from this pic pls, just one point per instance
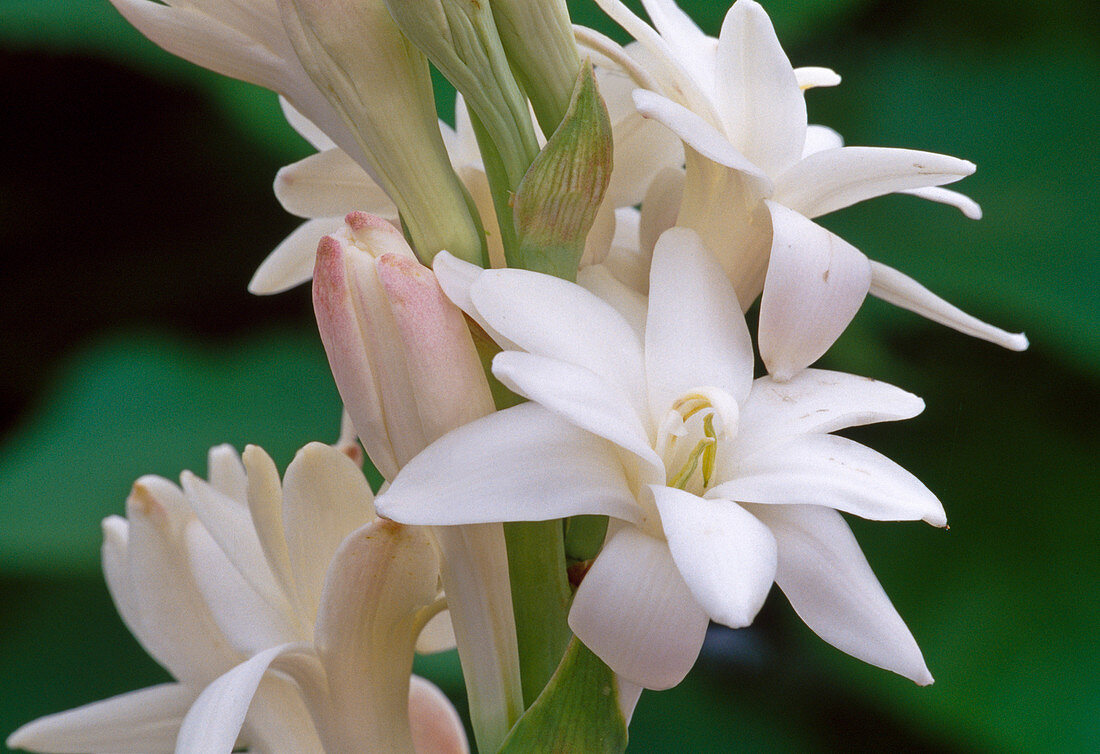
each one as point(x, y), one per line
point(135, 202)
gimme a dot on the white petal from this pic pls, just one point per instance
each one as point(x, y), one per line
point(456, 277)
point(551, 317)
point(305, 127)
point(759, 99)
point(815, 284)
point(629, 694)
point(381, 577)
point(265, 504)
point(635, 612)
point(660, 208)
point(329, 184)
point(809, 77)
point(835, 472)
point(961, 202)
point(820, 138)
point(325, 498)
point(472, 475)
point(724, 554)
point(695, 333)
point(436, 726)
point(116, 571)
point(291, 263)
point(835, 178)
point(226, 473)
point(609, 286)
point(901, 290)
point(701, 136)
point(828, 581)
point(140, 722)
point(817, 401)
point(215, 719)
point(579, 396)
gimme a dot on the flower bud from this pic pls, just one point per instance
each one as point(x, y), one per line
point(380, 85)
point(402, 357)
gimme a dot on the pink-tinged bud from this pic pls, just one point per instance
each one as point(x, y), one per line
point(403, 359)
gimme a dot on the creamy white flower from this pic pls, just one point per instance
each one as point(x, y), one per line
point(215, 578)
point(717, 485)
point(757, 174)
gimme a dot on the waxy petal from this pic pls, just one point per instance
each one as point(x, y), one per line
point(817, 401)
point(829, 583)
point(265, 504)
point(811, 77)
point(226, 473)
point(961, 202)
point(458, 480)
point(759, 97)
point(635, 612)
point(815, 284)
point(330, 184)
point(140, 722)
point(832, 179)
point(626, 300)
point(291, 263)
point(725, 555)
point(456, 277)
point(695, 334)
point(835, 472)
point(304, 126)
point(551, 317)
point(901, 290)
point(820, 138)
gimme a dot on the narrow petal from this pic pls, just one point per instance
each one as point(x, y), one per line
point(820, 138)
point(464, 477)
point(660, 208)
point(835, 472)
point(759, 97)
point(456, 277)
point(140, 722)
point(436, 726)
point(810, 77)
point(304, 126)
point(226, 473)
point(381, 577)
point(817, 401)
point(265, 505)
point(635, 612)
point(328, 184)
point(551, 317)
point(214, 721)
point(626, 300)
point(325, 498)
point(116, 571)
point(815, 284)
point(901, 290)
point(961, 202)
point(695, 333)
point(724, 554)
point(291, 263)
point(836, 178)
point(579, 396)
point(829, 583)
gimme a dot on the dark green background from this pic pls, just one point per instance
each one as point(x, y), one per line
point(135, 203)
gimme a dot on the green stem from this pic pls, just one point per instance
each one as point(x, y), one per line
point(540, 600)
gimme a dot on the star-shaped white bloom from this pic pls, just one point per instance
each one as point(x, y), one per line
point(716, 484)
point(757, 174)
point(219, 579)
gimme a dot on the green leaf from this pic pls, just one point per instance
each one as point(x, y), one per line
point(578, 711)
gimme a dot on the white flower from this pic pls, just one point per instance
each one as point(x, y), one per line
point(757, 174)
point(716, 485)
point(218, 577)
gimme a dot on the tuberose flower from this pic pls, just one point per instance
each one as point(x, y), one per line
point(716, 484)
point(218, 578)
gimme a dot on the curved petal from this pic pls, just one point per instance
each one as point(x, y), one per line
point(835, 472)
point(759, 98)
point(436, 726)
point(829, 583)
point(695, 333)
point(265, 504)
point(456, 277)
point(325, 498)
point(215, 719)
point(140, 722)
point(635, 612)
point(820, 138)
point(306, 128)
point(817, 401)
point(724, 554)
point(579, 396)
point(811, 77)
point(961, 202)
point(291, 263)
point(469, 476)
point(330, 183)
point(901, 290)
point(226, 473)
point(836, 178)
point(815, 284)
point(551, 317)
point(601, 280)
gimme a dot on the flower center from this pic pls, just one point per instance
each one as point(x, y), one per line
point(688, 437)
